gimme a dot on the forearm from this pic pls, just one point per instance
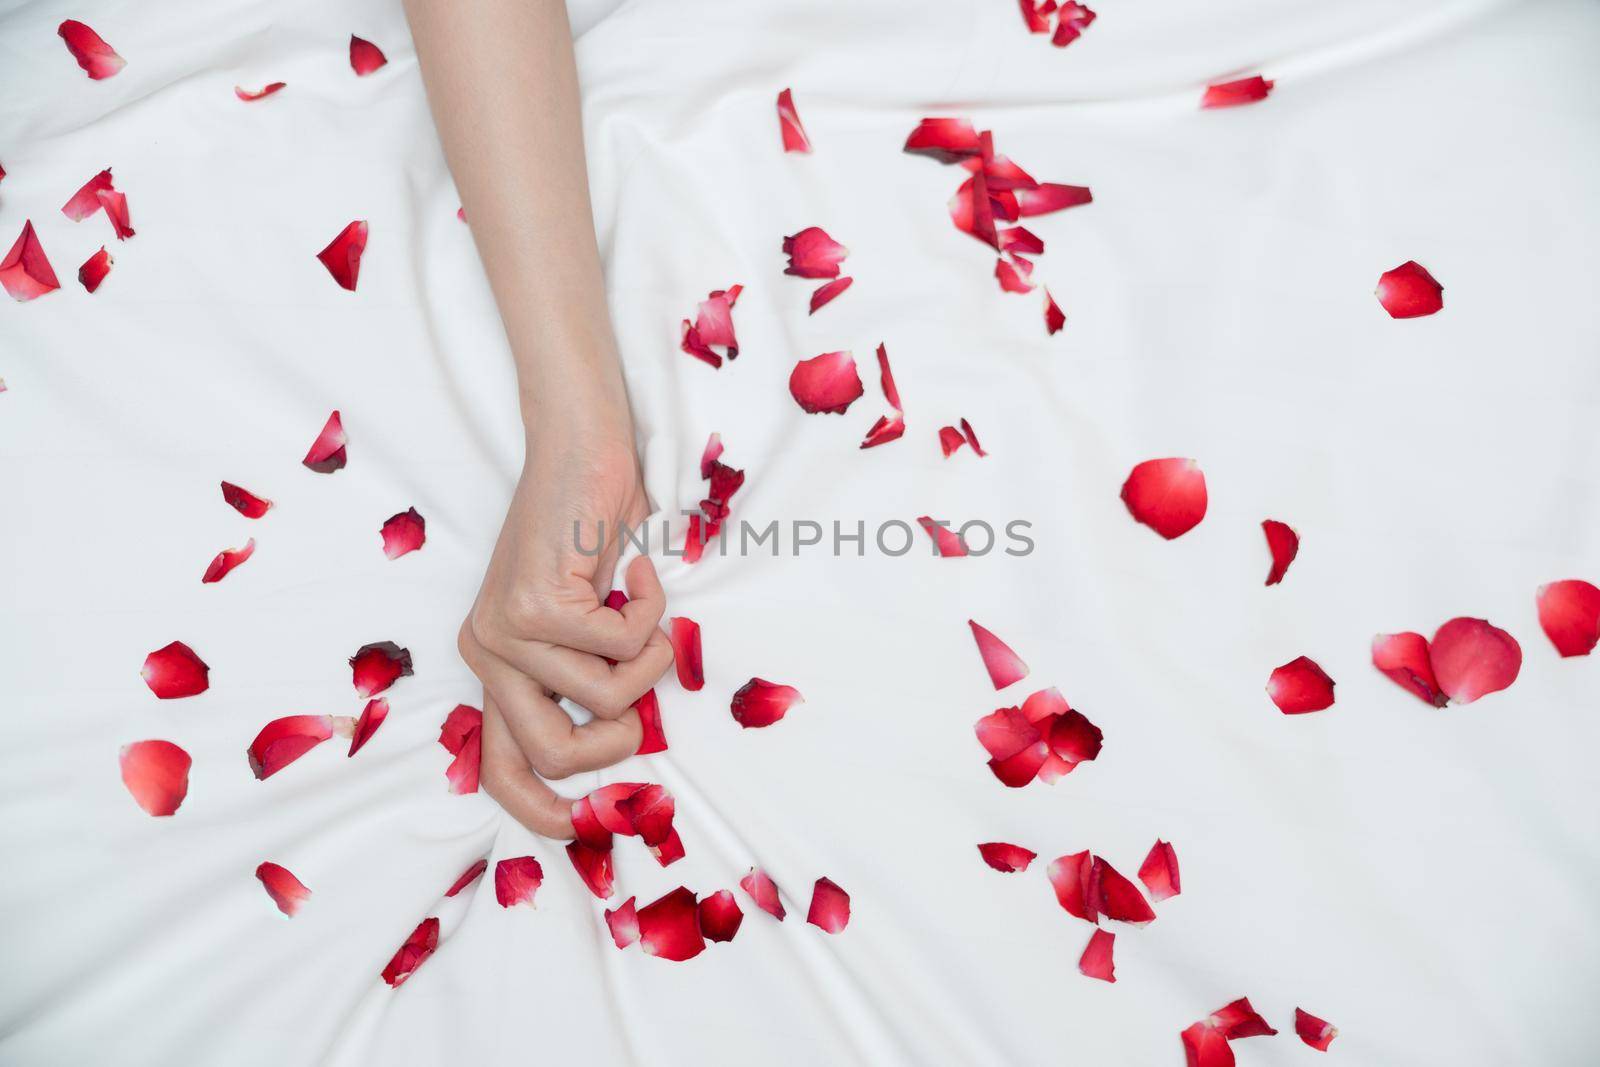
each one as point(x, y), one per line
point(503, 87)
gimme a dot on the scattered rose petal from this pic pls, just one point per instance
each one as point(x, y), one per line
point(720, 916)
point(327, 453)
point(1300, 686)
point(1238, 1019)
point(713, 326)
point(972, 437)
point(1011, 279)
point(226, 560)
point(950, 439)
point(1404, 658)
point(652, 736)
point(830, 907)
point(826, 293)
point(260, 94)
point(1069, 877)
point(1472, 659)
point(686, 653)
point(286, 891)
point(1007, 859)
point(1071, 20)
point(1047, 197)
point(342, 257)
point(174, 671)
point(623, 923)
point(414, 953)
point(1004, 666)
point(946, 542)
point(888, 427)
point(377, 666)
point(1167, 495)
point(517, 880)
point(670, 927)
point(826, 384)
point(1115, 897)
point(1073, 739)
point(1569, 613)
point(762, 703)
point(86, 201)
point(282, 741)
point(813, 254)
point(98, 59)
point(95, 269)
point(1054, 317)
point(1016, 746)
point(365, 57)
point(402, 533)
point(245, 502)
point(1036, 16)
point(156, 774)
point(1318, 1033)
point(116, 209)
point(1096, 960)
point(25, 273)
point(947, 140)
point(1159, 872)
point(1284, 544)
point(372, 717)
point(669, 851)
point(1203, 1046)
point(794, 134)
point(764, 891)
point(1409, 291)
point(1232, 94)
point(462, 736)
point(468, 876)
point(594, 867)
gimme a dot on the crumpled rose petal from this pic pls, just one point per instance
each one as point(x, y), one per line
point(1006, 858)
point(827, 384)
point(372, 717)
point(516, 880)
point(1096, 961)
point(116, 209)
point(1159, 872)
point(282, 741)
point(402, 533)
point(98, 59)
point(670, 927)
point(156, 774)
point(1404, 658)
point(720, 916)
point(377, 666)
point(1238, 1019)
point(327, 452)
point(1167, 495)
point(794, 134)
point(1284, 544)
point(947, 140)
point(1409, 291)
point(826, 293)
point(365, 57)
point(764, 891)
point(594, 867)
point(1234, 93)
point(95, 269)
point(245, 502)
point(226, 560)
point(947, 543)
point(462, 736)
point(1569, 614)
point(1472, 659)
point(25, 273)
point(685, 634)
point(1048, 197)
point(247, 96)
point(623, 922)
point(86, 201)
point(813, 254)
point(1318, 1033)
point(1071, 20)
point(1300, 686)
point(414, 953)
point(649, 811)
point(174, 671)
point(1054, 317)
point(342, 257)
point(888, 427)
point(713, 325)
point(1115, 897)
point(286, 891)
point(762, 703)
point(1004, 666)
point(830, 907)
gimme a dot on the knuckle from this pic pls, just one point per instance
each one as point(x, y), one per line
point(555, 761)
point(525, 612)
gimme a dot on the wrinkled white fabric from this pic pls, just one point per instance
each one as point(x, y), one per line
point(1423, 879)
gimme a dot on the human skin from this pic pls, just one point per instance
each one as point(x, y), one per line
point(513, 135)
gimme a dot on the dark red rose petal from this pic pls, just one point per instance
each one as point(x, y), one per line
point(1404, 658)
point(1074, 739)
point(830, 907)
point(402, 533)
point(794, 134)
point(713, 325)
point(653, 737)
point(377, 666)
point(462, 736)
point(826, 384)
point(826, 293)
point(1238, 1019)
point(372, 717)
point(764, 891)
point(261, 94)
point(1159, 872)
point(25, 273)
point(156, 774)
point(1048, 197)
point(720, 916)
point(174, 671)
point(327, 453)
point(365, 57)
point(1203, 1046)
point(971, 436)
point(1096, 960)
point(1232, 94)
point(1167, 495)
point(1005, 858)
point(946, 542)
point(245, 502)
point(516, 880)
point(1004, 666)
point(762, 703)
point(95, 269)
point(686, 653)
point(286, 891)
point(414, 953)
point(468, 876)
point(86, 201)
point(1054, 317)
point(888, 427)
point(226, 560)
point(98, 59)
point(670, 927)
point(1071, 20)
point(1115, 897)
point(947, 140)
point(1300, 686)
point(710, 455)
point(116, 209)
point(1409, 291)
point(1069, 877)
point(594, 867)
point(1284, 544)
point(282, 741)
point(813, 254)
point(1318, 1033)
point(623, 922)
point(1472, 659)
point(342, 257)
point(1569, 612)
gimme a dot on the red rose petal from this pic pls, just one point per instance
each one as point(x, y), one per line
point(652, 736)
point(594, 867)
point(1016, 746)
point(649, 811)
point(516, 880)
point(377, 666)
point(414, 953)
point(1010, 278)
point(226, 560)
point(372, 717)
point(1409, 291)
point(713, 325)
point(86, 201)
point(1159, 872)
point(1167, 495)
point(685, 635)
point(813, 254)
point(116, 209)
point(973, 210)
point(1472, 659)
point(1036, 16)
point(327, 452)
point(1054, 318)
point(888, 427)
point(1021, 241)
point(946, 542)
point(247, 96)
point(669, 851)
point(245, 502)
point(282, 741)
point(1203, 1046)
point(1071, 20)
point(1004, 666)
point(1284, 544)
point(1096, 960)
point(365, 57)
point(1404, 658)
point(468, 876)
point(947, 140)
point(826, 384)
point(761, 703)
point(623, 922)
point(1069, 877)
point(1569, 613)
point(720, 916)
point(402, 533)
point(950, 439)
point(1047, 197)
point(972, 437)
point(462, 736)
point(98, 59)
point(670, 927)
point(1238, 1019)
point(1073, 739)
point(1005, 858)
point(174, 671)
point(1115, 897)
point(286, 891)
point(1318, 1033)
point(156, 774)
point(1300, 686)
point(1232, 94)
point(95, 269)
point(794, 134)
point(764, 891)
point(342, 257)
point(830, 907)
point(825, 293)
point(606, 805)
point(25, 273)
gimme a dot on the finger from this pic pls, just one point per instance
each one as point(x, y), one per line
point(604, 631)
point(552, 744)
point(608, 690)
point(507, 778)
